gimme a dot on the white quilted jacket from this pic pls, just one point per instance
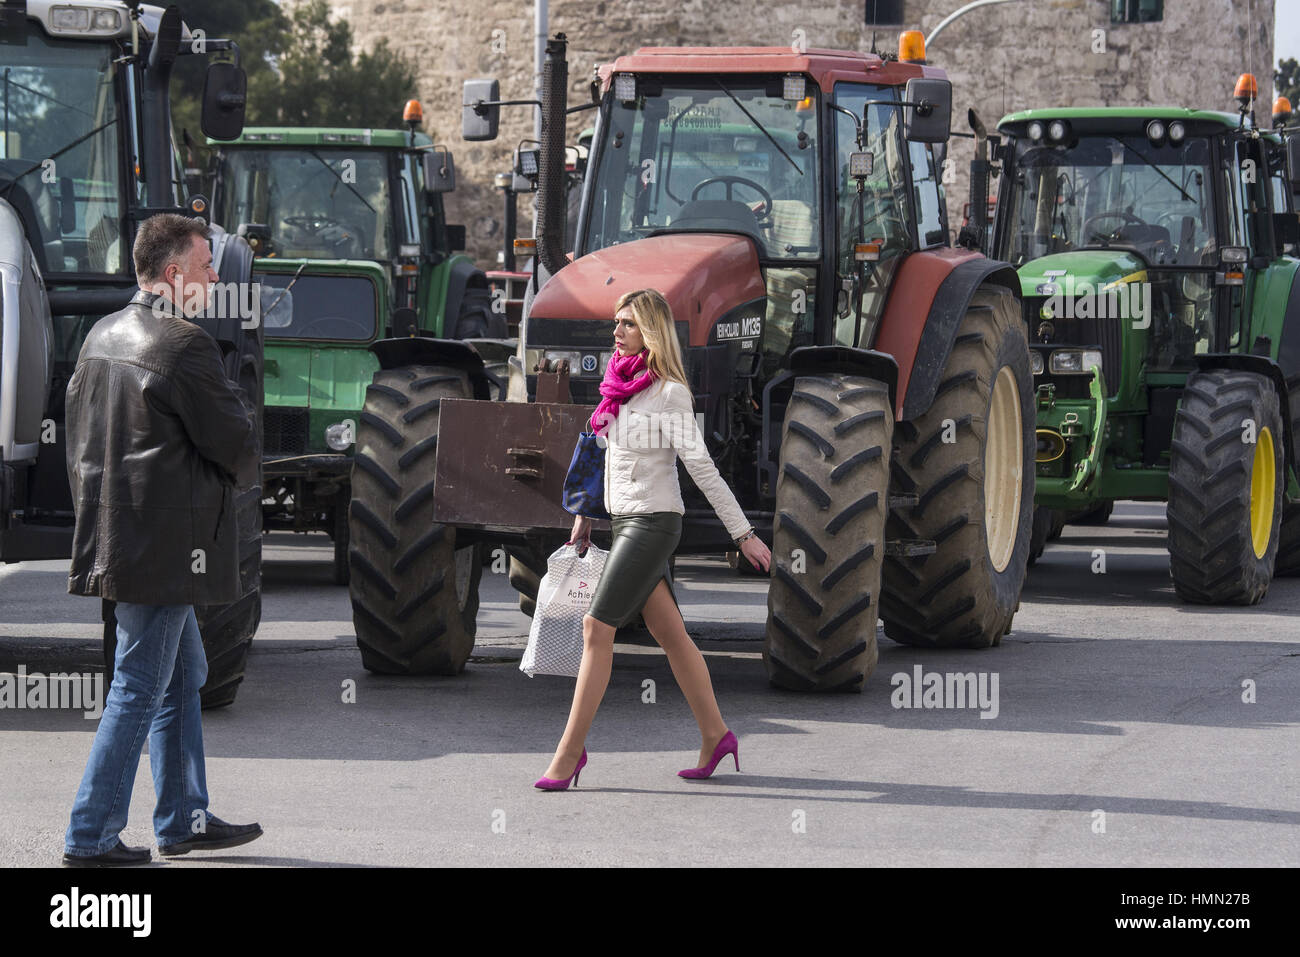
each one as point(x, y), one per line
point(653, 429)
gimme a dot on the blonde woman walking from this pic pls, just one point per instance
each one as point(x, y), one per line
point(648, 419)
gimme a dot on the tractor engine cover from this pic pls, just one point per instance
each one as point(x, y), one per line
point(702, 275)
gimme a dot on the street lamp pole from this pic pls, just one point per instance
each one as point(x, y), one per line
point(957, 13)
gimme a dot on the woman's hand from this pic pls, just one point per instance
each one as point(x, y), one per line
point(758, 553)
point(581, 531)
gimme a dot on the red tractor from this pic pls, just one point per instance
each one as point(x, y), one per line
point(862, 386)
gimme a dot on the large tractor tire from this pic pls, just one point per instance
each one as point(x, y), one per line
point(414, 593)
point(1288, 546)
point(828, 543)
point(228, 630)
point(1226, 483)
point(969, 460)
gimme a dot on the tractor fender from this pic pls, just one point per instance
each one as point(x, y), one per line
point(422, 350)
point(845, 359)
point(462, 274)
point(938, 284)
point(1263, 365)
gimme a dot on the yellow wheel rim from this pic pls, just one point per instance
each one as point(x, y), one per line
point(1003, 469)
point(1262, 489)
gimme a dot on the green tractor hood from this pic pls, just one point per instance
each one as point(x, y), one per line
point(1097, 267)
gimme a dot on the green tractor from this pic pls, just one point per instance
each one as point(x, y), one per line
point(1156, 253)
point(352, 246)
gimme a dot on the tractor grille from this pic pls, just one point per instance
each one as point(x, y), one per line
point(1107, 333)
point(284, 431)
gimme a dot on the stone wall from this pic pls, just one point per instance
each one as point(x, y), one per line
point(1000, 58)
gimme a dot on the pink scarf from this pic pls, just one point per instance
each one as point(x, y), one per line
point(621, 382)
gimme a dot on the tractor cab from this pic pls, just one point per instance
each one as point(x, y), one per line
point(790, 185)
point(1156, 249)
point(1142, 217)
point(342, 194)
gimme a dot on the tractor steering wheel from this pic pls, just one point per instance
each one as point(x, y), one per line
point(1128, 217)
point(311, 224)
point(729, 180)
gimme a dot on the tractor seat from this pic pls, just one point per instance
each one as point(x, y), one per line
point(1142, 234)
point(724, 215)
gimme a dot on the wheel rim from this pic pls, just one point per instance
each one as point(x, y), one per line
point(1262, 489)
point(1003, 469)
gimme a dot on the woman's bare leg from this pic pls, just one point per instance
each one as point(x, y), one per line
point(593, 678)
point(665, 623)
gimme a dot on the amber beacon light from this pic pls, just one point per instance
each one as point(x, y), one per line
point(1247, 89)
point(911, 46)
point(1281, 111)
point(413, 113)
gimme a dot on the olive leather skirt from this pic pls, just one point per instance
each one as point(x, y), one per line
point(638, 557)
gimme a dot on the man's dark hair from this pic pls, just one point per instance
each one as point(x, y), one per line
point(162, 239)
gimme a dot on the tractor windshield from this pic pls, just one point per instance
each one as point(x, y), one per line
point(710, 155)
point(310, 203)
point(60, 167)
point(1107, 191)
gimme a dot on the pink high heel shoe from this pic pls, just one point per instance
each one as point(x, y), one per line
point(728, 745)
point(558, 784)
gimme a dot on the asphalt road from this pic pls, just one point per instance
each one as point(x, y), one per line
point(1121, 735)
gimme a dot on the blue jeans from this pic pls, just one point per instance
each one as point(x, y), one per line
point(160, 667)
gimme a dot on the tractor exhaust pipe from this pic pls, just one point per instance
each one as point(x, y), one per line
point(1051, 445)
point(551, 203)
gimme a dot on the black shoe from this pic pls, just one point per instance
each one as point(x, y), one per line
point(117, 856)
point(217, 836)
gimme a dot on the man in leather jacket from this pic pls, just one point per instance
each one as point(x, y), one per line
point(156, 434)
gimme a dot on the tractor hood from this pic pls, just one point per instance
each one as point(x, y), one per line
point(702, 275)
point(1097, 267)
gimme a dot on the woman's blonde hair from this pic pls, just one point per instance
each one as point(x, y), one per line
point(654, 317)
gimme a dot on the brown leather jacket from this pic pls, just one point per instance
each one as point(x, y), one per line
point(156, 433)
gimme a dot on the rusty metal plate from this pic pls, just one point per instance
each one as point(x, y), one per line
point(502, 464)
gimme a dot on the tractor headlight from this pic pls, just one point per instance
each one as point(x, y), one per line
point(1155, 131)
point(572, 356)
point(1034, 131)
point(625, 87)
point(70, 19)
point(1035, 362)
point(1176, 131)
point(339, 436)
point(1074, 361)
point(1058, 130)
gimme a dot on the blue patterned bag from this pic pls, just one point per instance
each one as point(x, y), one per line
point(584, 486)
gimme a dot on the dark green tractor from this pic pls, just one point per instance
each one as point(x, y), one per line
point(353, 246)
point(1156, 249)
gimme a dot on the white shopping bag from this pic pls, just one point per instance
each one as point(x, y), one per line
point(563, 597)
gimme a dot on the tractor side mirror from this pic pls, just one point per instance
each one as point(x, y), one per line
point(478, 121)
point(225, 89)
point(1293, 161)
point(928, 118)
point(439, 171)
